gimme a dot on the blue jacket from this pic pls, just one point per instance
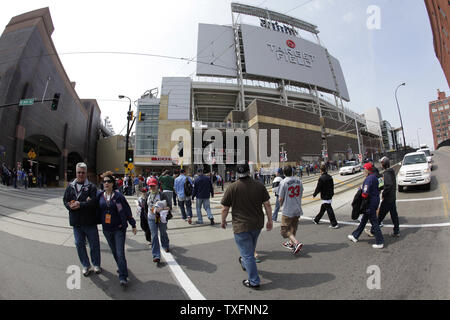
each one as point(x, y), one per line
point(179, 185)
point(203, 188)
point(119, 209)
point(370, 191)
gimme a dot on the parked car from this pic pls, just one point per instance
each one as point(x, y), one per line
point(350, 167)
point(414, 171)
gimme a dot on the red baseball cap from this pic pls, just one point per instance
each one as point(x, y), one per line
point(152, 182)
point(368, 166)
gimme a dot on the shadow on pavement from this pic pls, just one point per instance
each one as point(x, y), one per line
point(136, 289)
point(192, 263)
point(293, 281)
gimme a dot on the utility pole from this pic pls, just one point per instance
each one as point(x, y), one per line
point(127, 137)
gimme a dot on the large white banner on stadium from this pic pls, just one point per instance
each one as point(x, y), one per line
point(278, 55)
point(270, 54)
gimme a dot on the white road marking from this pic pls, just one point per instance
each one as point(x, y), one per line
point(420, 199)
point(431, 225)
point(181, 277)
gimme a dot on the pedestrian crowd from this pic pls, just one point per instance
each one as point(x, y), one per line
point(246, 198)
point(19, 177)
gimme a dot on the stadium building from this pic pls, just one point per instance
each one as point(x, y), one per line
point(261, 76)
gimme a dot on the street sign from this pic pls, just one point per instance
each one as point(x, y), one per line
point(31, 154)
point(360, 157)
point(26, 102)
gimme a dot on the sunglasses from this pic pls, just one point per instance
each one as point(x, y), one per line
point(107, 181)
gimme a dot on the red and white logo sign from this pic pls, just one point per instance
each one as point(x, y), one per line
point(290, 44)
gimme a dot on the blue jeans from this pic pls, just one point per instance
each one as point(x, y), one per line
point(116, 241)
point(206, 206)
point(277, 208)
point(370, 215)
point(162, 227)
point(80, 234)
point(246, 243)
point(188, 203)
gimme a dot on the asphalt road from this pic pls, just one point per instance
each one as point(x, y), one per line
point(36, 255)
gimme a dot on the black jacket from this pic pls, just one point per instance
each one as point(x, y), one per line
point(325, 186)
point(390, 184)
point(356, 204)
point(86, 215)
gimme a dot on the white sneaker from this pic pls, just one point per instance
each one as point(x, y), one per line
point(378, 246)
point(334, 227)
point(97, 270)
point(86, 271)
point(367, 231)
point(352, 238)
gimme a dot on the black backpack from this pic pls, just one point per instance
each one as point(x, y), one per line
point(188, 187)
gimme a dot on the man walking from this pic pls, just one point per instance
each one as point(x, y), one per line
point(275, 188)
point(183, 198)
point(80, 200)
point(167, 183)
point(291, 191)
point(325, 186)
point(203, 189)
point(371, 196)
point(246, 198)
point(389, 198)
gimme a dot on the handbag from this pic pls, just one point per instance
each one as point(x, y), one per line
point(169, 216)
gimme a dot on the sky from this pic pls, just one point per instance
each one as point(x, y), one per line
point(374, 60)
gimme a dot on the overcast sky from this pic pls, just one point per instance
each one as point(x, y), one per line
point(374, 61)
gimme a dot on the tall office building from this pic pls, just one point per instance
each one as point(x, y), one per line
point(439, 14)
point(440, 118)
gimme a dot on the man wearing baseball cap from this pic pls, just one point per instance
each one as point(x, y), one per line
point(246, 197)
point(371, 196)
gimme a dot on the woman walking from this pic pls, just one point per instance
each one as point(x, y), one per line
point(157, 206)
point(115, 213)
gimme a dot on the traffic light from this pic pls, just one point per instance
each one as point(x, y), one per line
point(141, 116)
point(55, 101)
point(130, 115)
point(130, 156)
point(125, 164)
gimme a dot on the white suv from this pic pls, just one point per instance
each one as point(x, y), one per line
point(414, 171)
point(428, 154)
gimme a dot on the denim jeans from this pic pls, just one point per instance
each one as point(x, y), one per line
point(116, 241)
point(277, 208)
point(206, 206)
point(162, 227)
point(246, 243)
point(188, 203)
point(391, 207)
point(80, 234)
point(371, 215)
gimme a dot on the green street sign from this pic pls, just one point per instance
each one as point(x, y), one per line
point(26, 102)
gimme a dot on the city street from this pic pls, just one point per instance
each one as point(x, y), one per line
point(38, 248)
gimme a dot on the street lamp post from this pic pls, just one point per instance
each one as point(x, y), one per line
point(401, 122)
point(418, 139)
point(128, 127)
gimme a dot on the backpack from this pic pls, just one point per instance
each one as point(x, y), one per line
point(188, 187)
